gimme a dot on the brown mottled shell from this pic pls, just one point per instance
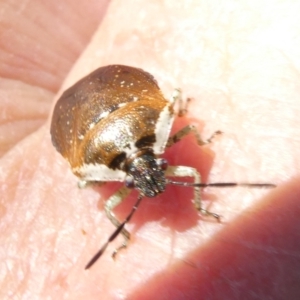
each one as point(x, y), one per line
point(106, 117)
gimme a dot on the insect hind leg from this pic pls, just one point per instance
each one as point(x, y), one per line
point(182, 110)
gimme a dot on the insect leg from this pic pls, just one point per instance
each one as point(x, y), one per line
point(187, 130)
point(183, 171)
point(110, 204)
point(182, 105)
point(82, 184)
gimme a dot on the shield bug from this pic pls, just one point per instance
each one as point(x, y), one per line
point(113, 125)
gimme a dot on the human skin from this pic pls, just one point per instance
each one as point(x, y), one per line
point(239, 62)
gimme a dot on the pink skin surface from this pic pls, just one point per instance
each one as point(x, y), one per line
point(239, 61)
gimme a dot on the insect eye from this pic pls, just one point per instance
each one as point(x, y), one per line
point(129, 182)
point(163, 163)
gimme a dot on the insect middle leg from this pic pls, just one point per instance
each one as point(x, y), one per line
point(110, 204)
point(187, 130)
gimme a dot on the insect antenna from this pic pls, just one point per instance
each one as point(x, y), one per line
point(223, 184)
point(219, 185)
point(115, 233)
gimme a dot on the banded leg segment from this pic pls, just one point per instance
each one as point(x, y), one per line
point(187, 130)
point(110, 204)
point(183, 171)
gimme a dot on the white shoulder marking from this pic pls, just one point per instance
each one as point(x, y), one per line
point(99, 172)
point(163, 128)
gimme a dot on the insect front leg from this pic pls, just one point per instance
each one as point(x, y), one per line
point(110, 204)
point(183, 171)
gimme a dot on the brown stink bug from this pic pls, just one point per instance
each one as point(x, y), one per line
point(113, 125)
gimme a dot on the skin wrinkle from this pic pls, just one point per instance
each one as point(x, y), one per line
point(231, 58)
point(35, 58)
